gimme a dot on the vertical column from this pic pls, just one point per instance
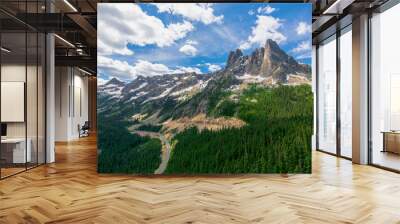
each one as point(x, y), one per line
point(360, 89)
point(50, 92)
point(314, 89)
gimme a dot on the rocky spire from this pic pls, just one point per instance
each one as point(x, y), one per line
point(233, 57)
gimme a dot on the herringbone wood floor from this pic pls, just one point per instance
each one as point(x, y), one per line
point(70, 191)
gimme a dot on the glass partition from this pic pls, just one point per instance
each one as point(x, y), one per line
point(22, 77)
point(385, 89)
point(13, 94)
point(327, 95)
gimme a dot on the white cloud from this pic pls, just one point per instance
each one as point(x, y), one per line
point(112, 48)
point(199, 12)
point(121, 24)
point(116, 68)
point(182, 69)
point(146, 68)
point(101, 81)
point(191, 42)
point(303, 28)
point(213, 67)
point(124, 71)
point(188, 50)
point(251, 12)
point(302, 46)
point(304, 56)
point(267, 27)
point(266, 10)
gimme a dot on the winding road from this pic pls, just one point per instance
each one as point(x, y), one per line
point(165, 150)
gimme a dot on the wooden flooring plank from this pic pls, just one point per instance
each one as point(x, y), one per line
point(71, 191)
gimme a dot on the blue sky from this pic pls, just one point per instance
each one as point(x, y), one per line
point(151, 39)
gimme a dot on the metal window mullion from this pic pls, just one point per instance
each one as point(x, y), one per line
point(26, 86)
point(45, 94)
point(73, 92)
point(69, 92)
point(338, 98)
point(369, 90)
point(0, 92)
point(37, 91)
point(317, 97)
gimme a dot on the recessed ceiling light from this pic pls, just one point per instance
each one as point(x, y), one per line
point(5, 50)
point(86, 72)
point(64, 40)
point(70, 5)
point(337, 7)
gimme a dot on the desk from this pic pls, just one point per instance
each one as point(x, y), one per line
point(19, 155)
point(391, 141)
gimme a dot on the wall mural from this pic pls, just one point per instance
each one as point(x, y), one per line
point(204, 88)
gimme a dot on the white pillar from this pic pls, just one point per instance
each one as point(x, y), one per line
point(50, 99)
point(360, 89)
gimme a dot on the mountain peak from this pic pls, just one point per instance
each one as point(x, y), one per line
point(271, 43)
point(233, 57)
point(115, 81)
point(273, 49)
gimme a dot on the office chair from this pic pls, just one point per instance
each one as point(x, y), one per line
point(84, 130)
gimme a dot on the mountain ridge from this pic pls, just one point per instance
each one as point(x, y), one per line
point(188, 94)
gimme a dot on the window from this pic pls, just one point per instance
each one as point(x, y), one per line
point(346, 92)
point(385, 89)
point(327, 96)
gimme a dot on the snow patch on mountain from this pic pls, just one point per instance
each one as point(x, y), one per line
point(248, 78)
point(112, 90)
point(138, 88)
point(162, 95)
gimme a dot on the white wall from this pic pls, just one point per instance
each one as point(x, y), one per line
point(62, 81)
point(12, 73)
point(71, 102)
point(17, 73)
point(80, 109)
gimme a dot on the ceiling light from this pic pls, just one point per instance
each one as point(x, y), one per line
point(5, 50)
point(64, 40)
point(70, 5)
point(337, 7)
point(84, 71)
point(330, 8)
